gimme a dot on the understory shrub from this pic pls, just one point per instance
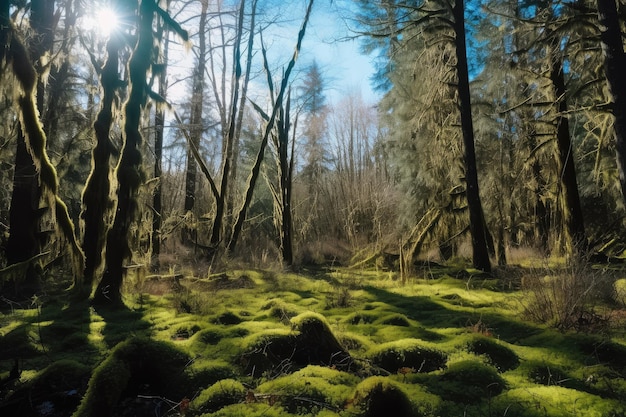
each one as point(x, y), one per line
point(568, 297)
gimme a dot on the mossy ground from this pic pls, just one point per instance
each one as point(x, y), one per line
point(327, 343)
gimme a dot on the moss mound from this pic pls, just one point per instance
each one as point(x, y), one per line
point(407, 353)
point(469, 382)
point(498, 355)
point(379, 397)
point(311, 342)
point(394, 320)
point(56, 390)
point(217, 396)
point(227, 318)
point(360, 318)
point(605, 352)
point(310, 390)
point(136, 366)
point(205, 373)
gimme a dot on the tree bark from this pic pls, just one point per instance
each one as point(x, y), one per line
point(159, 125)
point(477, 222)
point(129, 168)
point(574, 214)
point(96, 211)
point(615, 68)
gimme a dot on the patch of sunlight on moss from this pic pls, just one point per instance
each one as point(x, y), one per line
point(250, 410)
point(560, 402)
point(220, 394)
point(415, 354)
point(310, 390)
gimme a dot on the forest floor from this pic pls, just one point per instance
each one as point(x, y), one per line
point(325, 342)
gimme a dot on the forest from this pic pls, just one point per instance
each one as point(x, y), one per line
point(200, 217)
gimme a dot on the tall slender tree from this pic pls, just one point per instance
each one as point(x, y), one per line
point(614, 67)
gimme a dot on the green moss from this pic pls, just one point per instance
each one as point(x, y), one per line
point(360, 318)
point(310, 390)
point(227, 318)
point(394, 320)
point(131, 366)
point(498, 355)
point(378, 397)
point(203, 373)
point(469, 382)
point(407, 353)
point(218, 395)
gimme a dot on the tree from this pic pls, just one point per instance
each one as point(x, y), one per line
point(97, 208)
point(614, 68)
point(277, 105)
point(129, 168)
point(17, 57)
point(195, 122)
point(477, 221)
point(159, 127)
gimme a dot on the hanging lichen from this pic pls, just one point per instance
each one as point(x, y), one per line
point(35, 139)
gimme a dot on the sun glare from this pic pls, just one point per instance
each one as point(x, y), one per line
point(106, 21)
point(103, 21)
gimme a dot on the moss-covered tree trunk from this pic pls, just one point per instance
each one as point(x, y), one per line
point(573, 210)
point(96, 211)
point(615, 67)
point(129, 169)
point(34, 143)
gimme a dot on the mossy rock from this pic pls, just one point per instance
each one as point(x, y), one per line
point(136, 366)
point(469, 382)
point(56, 389)
point(498, 355)
point(310, 342)
point(379, 397)
point(407, 353)
point(217, 396)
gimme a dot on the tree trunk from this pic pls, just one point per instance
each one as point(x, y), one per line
point(23, 243)
point(96, 205)
point(254, 173)
point(477, 222)
point(574, 214)
point(615, 68)
point(129, 168)
point(159, 126)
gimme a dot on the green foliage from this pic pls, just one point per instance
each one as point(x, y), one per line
point(218, 395)
point(407, 353)
point(498, 355)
